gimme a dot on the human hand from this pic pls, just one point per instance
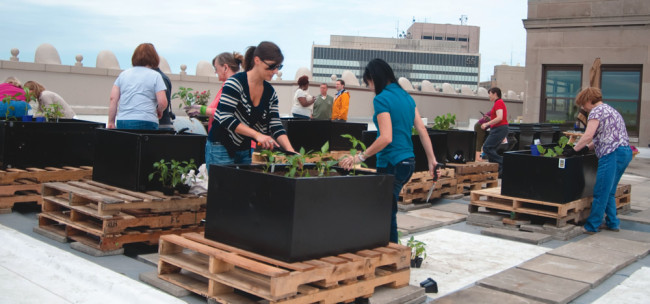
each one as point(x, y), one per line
point(193, 110)
point(569, 152)
point(110, 125)
point(484, 126)
point(266, 142)
point(348, 162)
point(433, 165)
point(584, 151)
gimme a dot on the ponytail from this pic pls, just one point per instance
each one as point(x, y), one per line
point(248, 58)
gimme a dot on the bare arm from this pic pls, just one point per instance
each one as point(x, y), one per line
point(426, 141)
point(585, 139)
point(304, 102)
point(162, 102)
point(112, 107)
point(385, 138)
point(494, 121)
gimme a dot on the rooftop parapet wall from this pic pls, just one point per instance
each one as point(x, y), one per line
point(87, 90)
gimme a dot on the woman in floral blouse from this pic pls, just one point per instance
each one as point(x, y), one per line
point(606, 134)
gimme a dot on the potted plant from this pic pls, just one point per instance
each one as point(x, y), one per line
point(123, 158)
point(189, 97)
point(418, 251)
point(292, 212)
point(172, 174)
point(457, 140)
point(549, 177)
point(53, 112)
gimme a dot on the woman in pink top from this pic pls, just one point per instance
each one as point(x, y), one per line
point(225, 65)
point(12, 88)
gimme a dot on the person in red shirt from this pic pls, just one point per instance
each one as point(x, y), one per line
point(498, 125)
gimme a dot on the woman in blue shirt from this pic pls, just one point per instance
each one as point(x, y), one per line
point(395, 116)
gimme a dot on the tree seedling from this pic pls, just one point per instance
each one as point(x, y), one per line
point(171, 173)
point(324, 163)
point(563, 142)
point(418, 250)
point(353, 151)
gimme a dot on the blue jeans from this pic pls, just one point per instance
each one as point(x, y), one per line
point(402, 172)
point(136, 125)
point(491, 144)
point(610, 170)
point(216, 154)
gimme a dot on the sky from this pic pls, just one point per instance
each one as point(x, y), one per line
point(189, 31)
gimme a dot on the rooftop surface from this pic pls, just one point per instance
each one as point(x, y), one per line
point(609, 267)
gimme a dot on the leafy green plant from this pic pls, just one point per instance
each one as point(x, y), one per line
point(444, 122)
point(171, 172)
point(353, 151)
point(272, 158)
point(563, 142)
point(53, 112)
point(7, 100)
point(324, 163)
point(295, 162)
point(418, 248)
point(190, 97)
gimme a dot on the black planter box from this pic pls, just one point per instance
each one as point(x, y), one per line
point(312, 134)
point(124, 158)
point(542, 178)
point(69, 142)
point(296, 219)
point(438, 141)
point(459, 140)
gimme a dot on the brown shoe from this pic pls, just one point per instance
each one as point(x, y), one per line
point(585, 231)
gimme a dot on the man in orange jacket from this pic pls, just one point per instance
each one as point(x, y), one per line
point(341, 102)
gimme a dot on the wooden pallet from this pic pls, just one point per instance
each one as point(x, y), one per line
point(20, 191)
point(477, 178)
point(575, 211)
point(109, 200)
point(466, 188)
point(216, 270)
point(474, 167)
point(47, 174)
point(415, 191)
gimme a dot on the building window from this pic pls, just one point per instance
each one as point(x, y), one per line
point(451, 38)
point(621, 87)
point(560, 86)
point(462, 39)
point(427, 37)
point(437, 38)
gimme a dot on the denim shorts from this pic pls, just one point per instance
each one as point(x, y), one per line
point(136, 125)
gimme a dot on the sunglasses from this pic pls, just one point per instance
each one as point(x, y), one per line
point(274, 66)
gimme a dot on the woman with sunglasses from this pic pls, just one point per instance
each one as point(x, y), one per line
point(248, 109)
point(395, 116)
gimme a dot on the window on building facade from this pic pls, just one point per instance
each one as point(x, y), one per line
point(621, 87)
point(560, 86)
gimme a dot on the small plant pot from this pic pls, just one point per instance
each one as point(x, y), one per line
point(27, 118)
point(168, 190)
point(416, 262)
point(183, 188)
point(40, 119)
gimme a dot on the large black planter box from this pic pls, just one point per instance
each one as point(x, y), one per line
point(543, 178)
point(296, 219)
point(438, 141)
point(124, 158)
point(312, 134)
point(69, 142)
point(459, 140)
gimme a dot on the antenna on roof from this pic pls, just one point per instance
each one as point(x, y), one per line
point(413, 19)
point(463, 19)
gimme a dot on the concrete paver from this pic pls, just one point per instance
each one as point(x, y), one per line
point(445, 217)
point(642, 217)
point(638, 249)
point(477, 294)
point(536, 286)
point(582, 271)
point(413, 224)
point(630, 235)
point(594, 254)
point(386, 295)
point(519, 236)
point(633, 290)
point(453, 207)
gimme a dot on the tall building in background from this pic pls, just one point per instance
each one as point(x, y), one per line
point(439, 53)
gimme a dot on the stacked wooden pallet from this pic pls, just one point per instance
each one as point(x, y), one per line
point(24, 185)
point(417, 188)
point(105, 217)
point(230, 275)
point(574, 211)
point(475, 176)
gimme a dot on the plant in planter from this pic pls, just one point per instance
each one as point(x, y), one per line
point(325, 163)
point(272, 158)
point(556, 150)
point(53, 112)
point(444, 122)
point(296, 162)
point(418, 251)
point(189, 98)
point(7, 100)
point(353, 151)
point(172, 174)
